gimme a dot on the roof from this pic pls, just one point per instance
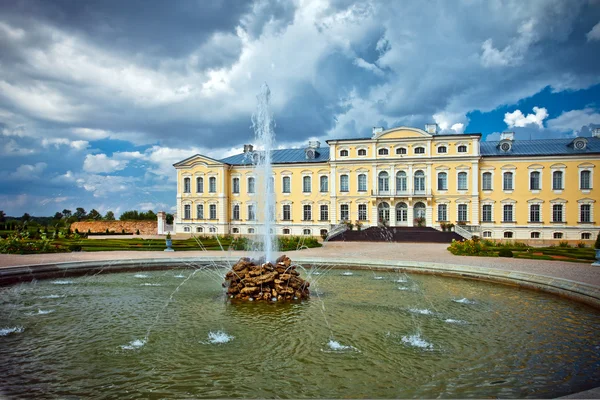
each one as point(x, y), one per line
point(284, 156)
point(544, 147)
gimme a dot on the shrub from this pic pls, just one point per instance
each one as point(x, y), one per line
point(488, 243)
point(444, 226)
point(123, 231)
point(505, 253)
point(348, 224)
point(581, 245)
point(137, 232)
point(107, 232)
point(563, 243)
point(358, 225)
point(597, 244)
point(450, 226)
point(469, 248)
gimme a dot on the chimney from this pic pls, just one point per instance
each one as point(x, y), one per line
point(596, 132)
point(431, 128)
point(248, 148)
point(377, 129)
point(314, 144)
point(507, 136)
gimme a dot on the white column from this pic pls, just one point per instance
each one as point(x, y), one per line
point(410, 213)
point(428, 179)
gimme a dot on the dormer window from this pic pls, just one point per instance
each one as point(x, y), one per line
point(462, 148)
point(579, 143)
point(343, 153)
point(310, 154)
point(419, 150)
point(442, 149)
point(362, 152)
point(383, 152)
point(505, 145)
point(401, 151)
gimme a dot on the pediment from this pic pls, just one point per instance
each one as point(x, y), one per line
point(402, 132)
point(197, 160)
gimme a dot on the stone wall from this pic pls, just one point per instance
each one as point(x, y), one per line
point(145, 227)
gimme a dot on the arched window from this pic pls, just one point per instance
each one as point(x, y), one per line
point(362, 152)
point(384, 182)
point(534, 181)
point(235, 215)
point(199, 185)
point(306, 232)
point(383, 211)
point(508, 181)
point(235, 230)
point(362, 183)
point(199, 229)
point(323, 232)
point(401, 150)
point(343, 153)
point(236, 185)
point(401, 183)
point(419, 181)
point(535, 235)
point(557, 235)
point(442, 149)
point(419, 150)
point(585, 181)
point(383, 152)
point(186, 185)
point(250, 230)
point(586, 236)
point(508, 235)
point(401, 212)
point(187, 212)
point(486, 181)
point(212, 184)
point(487, 234)
point(557, 180)
point(200, 211)
point(187, 229)
point(419, 210)
point(306, 184)
point(344, 184)
point(251, 185)
point(462, 148)
point(287, 184)
point(442, 181)
point(212, 210)
point(323, 184)
point(286, 231)
point(462, 181)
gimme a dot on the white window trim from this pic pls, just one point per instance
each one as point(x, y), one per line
point(580, 169)
point(487, 203)
point(492, 188)
point(506, 169)
point(339, 152)
point(466, 203)
point(458, 171)
point(400, 147)
point(383, 148)
point(562, 168)
point(443, 144)
point(365, 148)
point(536, 168)
point(537, 202)
point(589, 202)
point(437, 180)
point(358, 173)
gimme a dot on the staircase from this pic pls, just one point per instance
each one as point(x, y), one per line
point(397, 234)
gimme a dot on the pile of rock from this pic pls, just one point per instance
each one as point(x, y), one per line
point(248, 280)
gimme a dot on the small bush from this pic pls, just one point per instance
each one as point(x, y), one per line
point(581, 245)
point(123, 231)
point(488, 243)
point(107, 232)
point(563, 243)
point(505, 253)
point(137, 232)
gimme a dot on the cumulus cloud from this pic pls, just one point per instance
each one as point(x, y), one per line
point(57, 142)
point(594, 34)
point(101, 163)
point(29, 172)
point(519, 120)
point(576, 121)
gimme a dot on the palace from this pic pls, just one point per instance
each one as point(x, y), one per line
point(527, 190)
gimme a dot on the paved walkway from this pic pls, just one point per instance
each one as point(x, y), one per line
point(418, 252)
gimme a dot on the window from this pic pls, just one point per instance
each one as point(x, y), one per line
point(442, 149)
point(186, 229)
point(199, 230)
point(200, 211)
point(557, 213)
point(419, 181)
point(585, 181)
point(462, 148)
point(236, 185)
point(306, 231)
point(212, 184)
point(307, 212)
point(487, 234)
point(462, 181)
point(534, 213)
point(324, 184)
point(557, 180)
point(344, 212)
point(235, 230)
point(324, 212)
point(212, 210)
point(401, 212)
point(250, 230)
point(508, 213)
point(401, 150)
point(419, 150)
point(186, 185)
point(557, 235)
point(535, 235)
point(187, 211)
point(585, 213)
point(235, 215)
point(442, 181)
point(344, 183)
point(383, 212)
point(199, 185)
point(343, 153)
point(362, 212)
point(286, 231)
point(251, 212)
point(362, 183)
point(508, 235)
point(442, 212)
point(306, 184)
point(486, 181)
point(287, 184)
point(212, 230)
point(251, 182)
point(486, 213)
point(383, 152)
point(362, 152)
point(287, 212)
point(401, 181)
point(508, 181)
point(586, 236)
point(323, 232)
point(384, 181)
point(534, 181)
point(462, 213)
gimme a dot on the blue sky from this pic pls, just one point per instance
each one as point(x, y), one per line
point(99, 99)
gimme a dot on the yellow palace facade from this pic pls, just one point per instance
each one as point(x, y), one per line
point(533, 190)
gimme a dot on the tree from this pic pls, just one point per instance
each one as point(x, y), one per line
point(2, 216)
point(95, 215)
point(25, 217)
point(169, 219)
point(130, 216)
point(80, 213)
point(66, 213)
point(110, 216)
point(58, 215)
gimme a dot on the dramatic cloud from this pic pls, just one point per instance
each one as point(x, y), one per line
point(576, 121)
point(594, 34)
point(519, 120)
point(100, 163)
